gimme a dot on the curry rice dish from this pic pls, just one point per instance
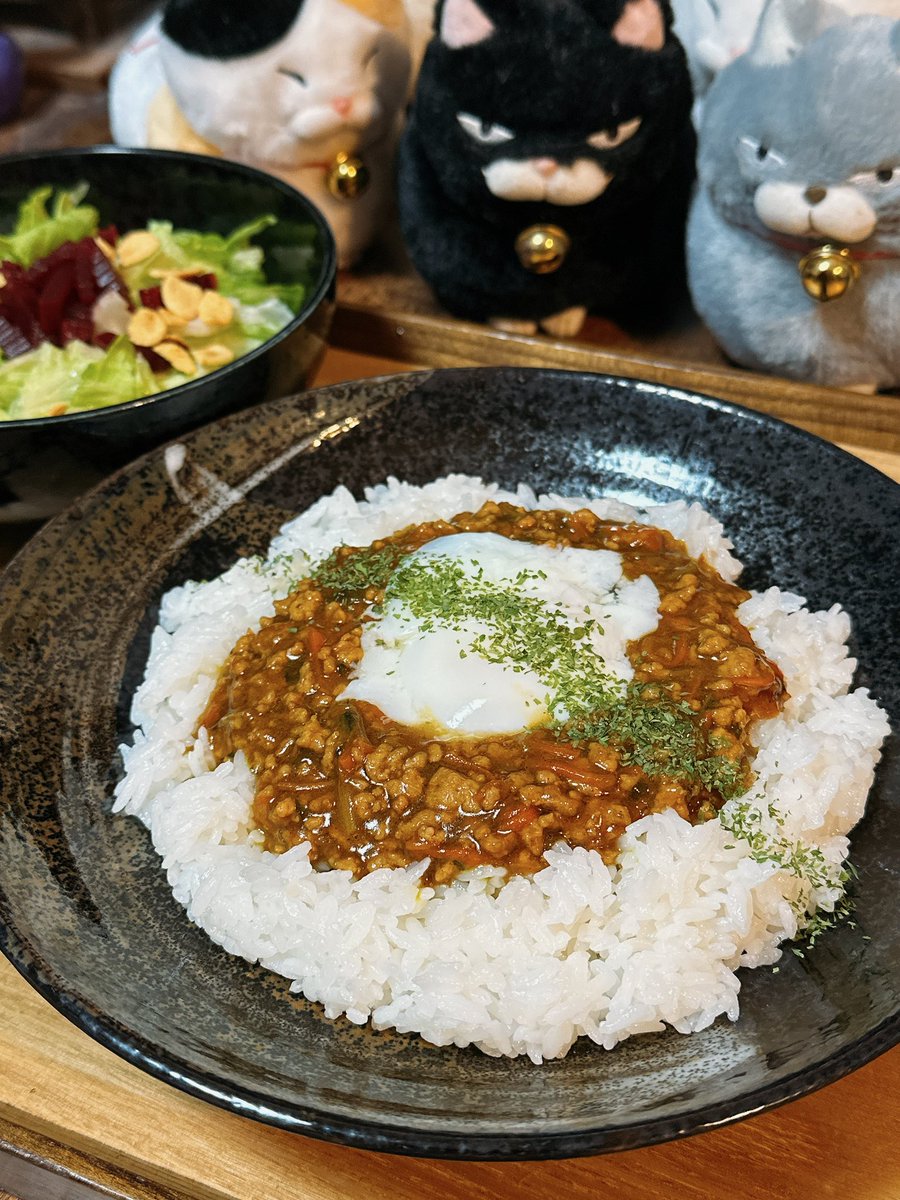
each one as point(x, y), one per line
point(499, 769)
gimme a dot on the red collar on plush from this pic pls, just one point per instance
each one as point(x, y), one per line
point(796, 245)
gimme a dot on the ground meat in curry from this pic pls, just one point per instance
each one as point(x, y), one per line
point(367, 792)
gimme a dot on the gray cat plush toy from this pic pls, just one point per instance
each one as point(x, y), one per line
point(794, 233)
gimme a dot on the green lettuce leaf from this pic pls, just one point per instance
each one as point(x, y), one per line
point(234, 260)
point(121, 374)
point(261, 320)
point(82, 377)
point(79, 376)
point(38, 231)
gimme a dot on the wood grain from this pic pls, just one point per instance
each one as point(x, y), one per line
point(882, 460)
point(61, 1085)
point(34, 1168)
point(839, 416)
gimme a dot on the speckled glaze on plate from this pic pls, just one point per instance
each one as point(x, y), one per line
point(85, 913)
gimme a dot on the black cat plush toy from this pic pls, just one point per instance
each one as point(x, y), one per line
point(546, 167)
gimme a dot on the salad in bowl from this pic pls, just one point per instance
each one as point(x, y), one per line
point(93, 315)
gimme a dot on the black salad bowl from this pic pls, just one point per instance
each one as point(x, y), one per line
point(46, 463)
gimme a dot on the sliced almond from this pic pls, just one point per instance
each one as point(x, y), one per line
point(57, 410)
point(2, 280)
point(213, 355)
point(216, 309)
point(105, 249)
point(135, 247)
point(179, 356)
point(181, 272)
point(180, 297)
point(146, 327)
point(171, 320)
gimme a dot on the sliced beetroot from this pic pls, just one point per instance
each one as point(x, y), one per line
point(54, 298)
point(156, 361)
point(151, 297)
point(23, 298)
point(109, 233)
point(79, 311)
point(12, 272)
point(76, 329)
point(38, 274)
point(105, 275)
point(56, 292)
point(19, 314)
point(41, 267)
point(85, 282)
point(205, 280)
point(13, 341)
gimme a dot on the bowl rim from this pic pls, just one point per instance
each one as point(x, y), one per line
point(319, 292)
point(392, 1136)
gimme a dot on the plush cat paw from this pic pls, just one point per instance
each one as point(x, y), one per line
point(565, 324)
point(513, 325)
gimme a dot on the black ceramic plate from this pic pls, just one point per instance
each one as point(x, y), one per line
point(85, 911)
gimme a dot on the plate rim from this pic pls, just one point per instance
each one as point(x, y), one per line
point(390, 1136)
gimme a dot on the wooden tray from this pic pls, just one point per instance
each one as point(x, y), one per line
point(377, 317)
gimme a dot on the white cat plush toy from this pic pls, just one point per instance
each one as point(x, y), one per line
point(794, 232)
point(311, 90)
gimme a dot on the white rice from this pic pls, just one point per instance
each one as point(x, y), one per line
point(578, 949)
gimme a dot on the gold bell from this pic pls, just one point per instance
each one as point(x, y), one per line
point(542, 249)
point(827, 272)
point(347, 177)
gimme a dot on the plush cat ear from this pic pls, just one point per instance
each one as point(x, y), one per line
point(641, 24)
point(787, 25)
point(463, 24)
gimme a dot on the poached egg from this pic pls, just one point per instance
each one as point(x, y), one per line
point(433, 674)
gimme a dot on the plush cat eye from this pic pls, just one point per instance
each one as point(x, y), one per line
point(759, 152)
point(608, 139)
point(295, 75)
point(484, 132)
point(882, 175)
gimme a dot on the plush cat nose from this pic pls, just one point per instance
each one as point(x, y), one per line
point(544, 166)
point(815, 194)
point(342, 105)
